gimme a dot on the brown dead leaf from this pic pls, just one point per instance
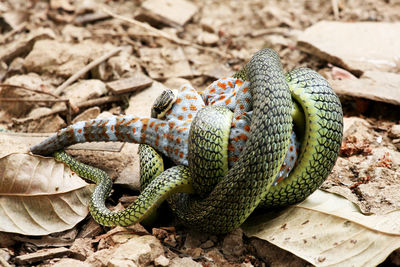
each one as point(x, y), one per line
point(328, 230)
point(39, 196)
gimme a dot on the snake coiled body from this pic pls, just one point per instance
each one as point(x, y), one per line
point(249, 182)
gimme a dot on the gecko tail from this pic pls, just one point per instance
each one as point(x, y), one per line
point(112, 129)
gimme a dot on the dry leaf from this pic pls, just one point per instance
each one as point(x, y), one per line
point(39, 196)
point(328, 230)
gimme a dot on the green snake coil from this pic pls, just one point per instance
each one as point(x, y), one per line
point(227, 203)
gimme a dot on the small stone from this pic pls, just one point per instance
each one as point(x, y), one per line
point(82, 248)
point(373, 85)
point(207, 244)
point(121, 263)
point(70, 262)
point(394, 131)
point(21, 46)
point(187, 262)
point(217, 257)
point(171, 240)
point(194, 240)
point(88, 114)
point(171, 12)
point(195, 252)
point(63, 59)
point(136, 251)
point(84, 90)
point(175, 83)
point(161, 261)
point(31, 80)
point(136, 82)
point(46, 124)
point(334, 40)
point(207, 38)
point(233, 243)
point(140, 103)
point(42, 255)
point(159, 233)
point(155, 60)
point(90, 229)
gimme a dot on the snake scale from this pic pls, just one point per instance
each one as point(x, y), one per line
point(249, 183)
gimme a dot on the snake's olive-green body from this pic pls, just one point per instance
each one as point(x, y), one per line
point(225, 204)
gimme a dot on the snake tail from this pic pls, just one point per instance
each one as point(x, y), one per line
point(153, 195)
point(236, 196)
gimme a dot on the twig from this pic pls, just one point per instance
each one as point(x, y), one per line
point(15, 99)
point(4, 263)
point(67, 102)
point(165, 35)
point(20, 27)
point(335, 8)
point(28, 89)
point(85, 69)
point(88, 103)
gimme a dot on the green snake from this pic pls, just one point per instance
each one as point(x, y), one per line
point(225, 204)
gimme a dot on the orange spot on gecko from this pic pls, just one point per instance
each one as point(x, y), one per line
point(222, 97)
point(212, 90)
point(233, 125)
point(171, 124)
point(184, 108)
point(238, 82)
point(280, 179)
point(145, 120)
point(222, 85)
point(193, 108)
point(176, 151)
point(180, 117)
point(181, 154)
point(178, 100)
point(152, 124)
point(236, 138)
point(241, 106)
point(233, 159)
point(191, 97)
point(80, 131)
point(247, 100)
point(143, 138)
point(243, 137)
point(231, 147)
point(190, 116)
point(246, 128)
point(133, 130)
point(157, 140)
point(238, 117)
point(291, 148)
point(230, 84)
point(245, 89)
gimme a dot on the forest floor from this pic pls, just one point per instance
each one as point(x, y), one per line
point(139, 48)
